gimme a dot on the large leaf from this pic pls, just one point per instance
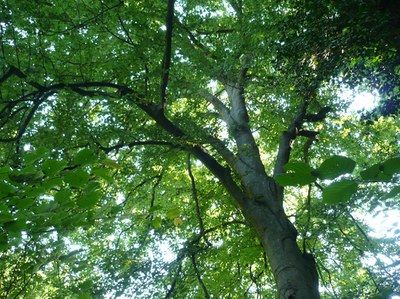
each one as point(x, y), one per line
point(334, 167)
point(104, 173)
point(6, 189)
point(381, 171)
point(391, 166)
point(52, 167)
point(77, 178)
point(89, 199)
point(36, 155)
point(85, 156)
point(339, 191)
point(173, 213)
point(299, 174)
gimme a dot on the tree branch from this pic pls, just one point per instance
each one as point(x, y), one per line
point(218, 105)
point(173, 284)
point(12, 71)
point(134, 143)
point(196, 199)
point(222, 173)
point(25, 123)
point(166, 64)
point(196, 270)
point(197, 43)
point(287, 138)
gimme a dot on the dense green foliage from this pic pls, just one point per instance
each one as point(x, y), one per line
point(97, 199)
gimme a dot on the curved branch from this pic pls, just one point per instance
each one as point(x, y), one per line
point(28, 119)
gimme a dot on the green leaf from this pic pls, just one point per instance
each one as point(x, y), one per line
point(173, 213)
point(111, 163)
point(77, 178)
point(301, 174)
point(85, 296)
point(334, 167)
point(51, 183)
point(62, 196)
point(52, 167)
point(88, 200)
point(381, 172)
point(339, 191)
point(4, 171)
point(104, 173)
point(85, 156)
point(92, 186)
point(391, 166)
point(6, 189)
point(5, 215)
point(38, 154)
point(157, 222)
point(3, 242)
point(24, 203)
point(15, 225)
point(28, 175)
point(393, 193)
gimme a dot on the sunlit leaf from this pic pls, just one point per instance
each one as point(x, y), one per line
point(178, 221)
point(104, 173)
point(338, 192)
point(111, 163)
point(173, 213)
point(299, 174)
point(157, 222)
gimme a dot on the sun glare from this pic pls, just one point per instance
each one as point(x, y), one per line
point(360, 100)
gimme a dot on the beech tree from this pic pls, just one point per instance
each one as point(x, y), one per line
point(197, 149)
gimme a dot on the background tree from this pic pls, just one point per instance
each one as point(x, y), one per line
point(169, 148)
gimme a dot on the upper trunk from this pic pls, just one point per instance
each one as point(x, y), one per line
point(294, 272)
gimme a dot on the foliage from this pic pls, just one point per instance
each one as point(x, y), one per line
point(101, 194)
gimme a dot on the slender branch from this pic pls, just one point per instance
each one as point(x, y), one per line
point(173, 284)
point(28, 119)
point(134, 143)
point(197, 43)
point(359, 227)
point(166, 65)
point(153, 193)
point(196, 270)
point(308, 217)
point(196, 199)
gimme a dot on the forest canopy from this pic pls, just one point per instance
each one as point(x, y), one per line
point(199, 149)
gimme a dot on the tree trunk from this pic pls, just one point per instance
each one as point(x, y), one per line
point(294, 272)
point(259, 197)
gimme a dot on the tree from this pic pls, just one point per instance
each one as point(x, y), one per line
point(130, 128)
